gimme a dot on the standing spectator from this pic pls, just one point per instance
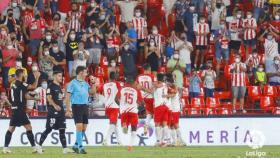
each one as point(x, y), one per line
point(185, 48)
point(208, 77)
point(270, 48)
point(131, 38)
point(92, 12)
point(221, 40)
point(258, 8)
point(12, 71)
point(273, 72)
point(190, 20)
point(58, 55)
point(9, 55)
point(250, 26)
point(59, 31)
point(201, 31)
point(235, 28)
point(218, 13)
point(128, 62)
point(152, 55)
point(140, 25)
point(177, 67)
point(113, 68)
point(113, 42)
point(35, 77)
point(238, 81)
point(200, 5)
point(41, 93)
point(80, 57)
point(10, 21)
point(15, 8)
point(159, 39)
point(194, 87)
point(71, 44)
point(253, 62)
point(46, 62)
point(181, 6)
point(74, 18)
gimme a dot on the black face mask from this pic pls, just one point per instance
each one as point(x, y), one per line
point(218, 5)
point(13, 38)
point(10, 14)
point(93, 26)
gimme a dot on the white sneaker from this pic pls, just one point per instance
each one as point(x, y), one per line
point(244, 111)
point(37, 149)
point(234, 111)
point(6, 150)
point(157, 144)
point(67, 151)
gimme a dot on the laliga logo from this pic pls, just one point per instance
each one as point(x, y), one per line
point(150, 130)
point(257, 140)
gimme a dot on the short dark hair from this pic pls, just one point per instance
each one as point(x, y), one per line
point(146, 66)
point(113, 75)
point(80, 69)
point(169, 78)
point(129, 79)
point(19, 72)
point(160, 77)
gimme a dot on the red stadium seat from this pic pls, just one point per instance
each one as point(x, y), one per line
point(227, 73)
point(223, 95)
point(186, 81)
point(270, 91)
point(185, 92)
point(162, 69)
point(254, 92)
point(196, 106)
point(212, 105)
point(267, 103)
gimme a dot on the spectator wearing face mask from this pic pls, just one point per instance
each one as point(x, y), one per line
point(181, 7)
point(252, 62)
point(12, 70)
point(80, 57)
point(9, 55)
point(250, 26)
point(158, 38)
point(57, 54)
point(92, 11)
point(71, 44)
point(35, 77)
point(113, 42)
point(41, 93)
point(221, 40)
point(130, 37)
point(238, 82)
point(273, 72)
point(259, 7)
point(113, 68)
point(260, 76)
point(235, 29)
point(152, 56)
point(194, 87)
point(15, 8)
point(270, 47)
point(128, 62)
point(12, 23)
point(190, 20)
point(177, 67)
point(74, 18)
point(59, 30)
point(218, 13)
point(46, 62)
point(208, 77)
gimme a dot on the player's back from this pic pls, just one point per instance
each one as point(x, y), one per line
point(129, 97)
point(110, 91)
point(159, 93)
point(146, 81)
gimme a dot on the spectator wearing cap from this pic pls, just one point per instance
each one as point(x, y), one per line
point(9, 55)
point(273, 72)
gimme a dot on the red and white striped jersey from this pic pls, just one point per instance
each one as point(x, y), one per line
point(27, 17)
point(159, 40)
point(129, 98)
point(110, 91)
point(224, 42)
point(175, 102)
point(146, 81)
point(238, 77)
point(159, 98)
point(255, 60)
point(42, 94)
point(201, 40)
point(234, 26)
point(139, 25)
point(259, 3)
point(74, 22)
point(249, 33)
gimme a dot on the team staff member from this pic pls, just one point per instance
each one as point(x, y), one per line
point(19, 117)
point(78, 92)
point(56, 117)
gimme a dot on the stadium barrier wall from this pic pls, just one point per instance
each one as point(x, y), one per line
point(195, 131)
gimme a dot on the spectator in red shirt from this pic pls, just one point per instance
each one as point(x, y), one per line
point(10, 55)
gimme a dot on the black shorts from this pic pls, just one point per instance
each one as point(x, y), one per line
point(80, 113)
point(200, 47)
point(234, 45)
point(56, 121)
point(19, 118)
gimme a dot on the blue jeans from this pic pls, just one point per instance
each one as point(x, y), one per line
point(257, 12)
point(5, 73)
point(54, 6)
point(34, 46)
point(209, 92)
point(274, 83)
point(188, 69)
point(70, 67)
point(40, 5)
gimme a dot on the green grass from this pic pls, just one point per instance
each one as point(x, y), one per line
point(148, 152)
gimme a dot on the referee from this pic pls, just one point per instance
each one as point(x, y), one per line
point(19, 117)
point(78, 91)
point(56, 116)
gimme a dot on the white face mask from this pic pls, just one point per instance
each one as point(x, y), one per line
point(192, 8)
point(18, 64)
point(152, 44)
point(23, 7)
point(237, 60)
point(255, 54)
point(48, 38)
point(34, 68)
point(29, 63)
point(269, 37)
point(249, 16)
point(72, 36)
point(238, 16)
point(277, 17)
point(260, 69)
point(126, 47)
point(92, 4)
point(46, 53)
point(44, 85)
point(155, 32)
point(14, 4)
point(113, 64)
point(55, 49)
point(10, 46)
point(202, 21)
point(277, 62)
point(176, 56)
point(138, 14)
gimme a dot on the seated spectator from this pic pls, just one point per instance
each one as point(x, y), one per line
point(194, 87)
point(80, 57)
point(177, 67)
point(208, 77)
point(260, 76)
point(252, 62)
point(273, 72)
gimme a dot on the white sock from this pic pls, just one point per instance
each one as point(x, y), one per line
point(173, 135)
point(158, 134)
point(148, 119)
point(133, 136)
point(117, 134)
point(165, 133)
point(110, 131)
point(179, 136)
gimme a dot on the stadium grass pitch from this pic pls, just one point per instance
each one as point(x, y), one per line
point(152, 152)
